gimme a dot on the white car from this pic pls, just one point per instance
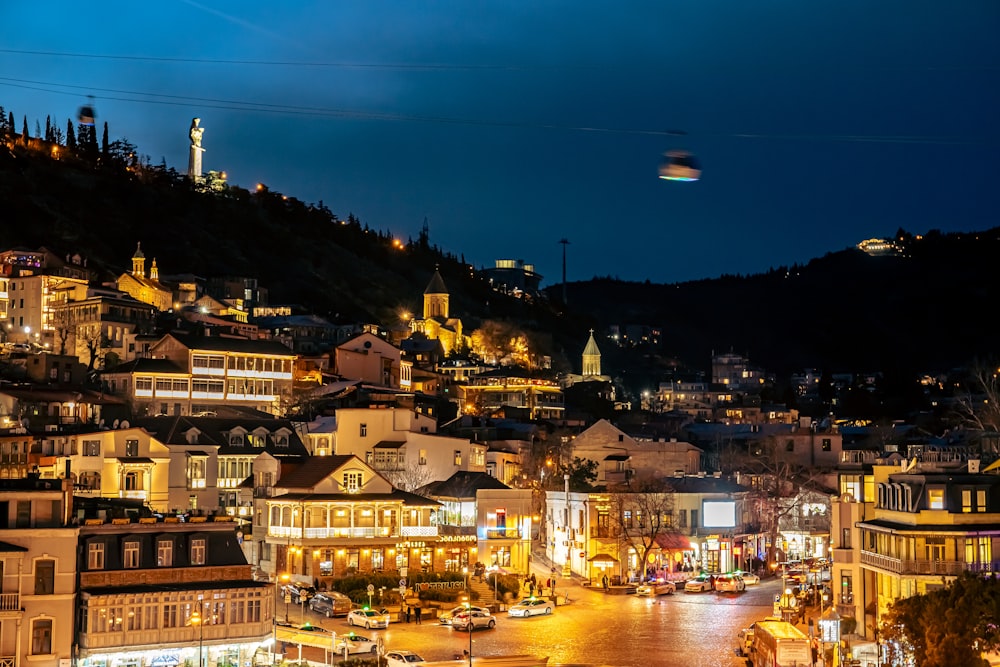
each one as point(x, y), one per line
point(445, 618)
point(403, 659)
point(749, 578)
point(730, 583)
point(699, 584)
point(652, 588)
point(530, 607)
point(355, 644)
point(478, 619)
point(368, 618)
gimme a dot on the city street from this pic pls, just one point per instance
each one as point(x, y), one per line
point(682, 630)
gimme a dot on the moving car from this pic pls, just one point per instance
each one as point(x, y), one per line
point(445, 618)
point(652, 588)
point(730, 583)
point(330, 603)
point(355, 644)
point(478, 619)
point(403, 659)
point(749, 578)
point(530, 607)
point(368, 618)
point(699, 584)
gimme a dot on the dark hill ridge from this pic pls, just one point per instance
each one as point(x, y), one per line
point(930, 310)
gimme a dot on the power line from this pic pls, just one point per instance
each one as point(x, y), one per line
point(164, 99)
point(293, 63)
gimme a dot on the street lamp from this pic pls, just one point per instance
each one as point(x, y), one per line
point(196, 619)
point(468, 610)
point(284, 578)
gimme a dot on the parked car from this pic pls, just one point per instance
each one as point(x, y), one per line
point(530, 607)
point(298, 592)
point(699, 584)
point(478, 619)
point(368, 618)
point(749, 578)
point(355, 644)
point(730, 583)
point(445, 618)
point(403, 659)
point(330, 603)
point(652, 588)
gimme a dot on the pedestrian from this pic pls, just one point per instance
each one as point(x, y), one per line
point(711, 581)
point(531, 588)
point(407, 612)
point(548, 585)
point(604, 582)
point(417, 609)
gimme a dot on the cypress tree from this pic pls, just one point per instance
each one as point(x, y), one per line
point(24, 131)
point(38, 129)
point(70, 136)
point(104, 142)
point(48, 128)
point(10, 124)
point(3, 122)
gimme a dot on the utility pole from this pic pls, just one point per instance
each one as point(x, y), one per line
point(564, 242)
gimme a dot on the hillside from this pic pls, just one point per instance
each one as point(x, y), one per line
point(925, 311)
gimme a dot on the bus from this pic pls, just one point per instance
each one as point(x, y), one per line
point(779, 644)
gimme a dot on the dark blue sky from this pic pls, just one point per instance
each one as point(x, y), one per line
point(511, 125)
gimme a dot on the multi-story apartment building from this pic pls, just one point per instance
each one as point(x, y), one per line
point(37, 572)
point(370, 359)
point(328, 516)
point(154, 592)
point(99, 324)
point(498, 519)
point(620, 456)
point(504, 391)
point(906, 529)
point(190, 375)
point(707, 520)
point(170, 464)
point(32, 303)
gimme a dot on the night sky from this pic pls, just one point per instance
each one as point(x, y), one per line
point(511, 125)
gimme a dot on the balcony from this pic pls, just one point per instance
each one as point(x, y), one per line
point(502, 534)
point(925, 567)
point(9, 602)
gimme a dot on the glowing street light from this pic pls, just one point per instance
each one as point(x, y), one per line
point(196, 619)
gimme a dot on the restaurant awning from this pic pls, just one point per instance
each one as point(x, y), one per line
point(603, 558)
point(673, 542)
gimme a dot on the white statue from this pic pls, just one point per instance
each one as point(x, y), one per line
point(194, 159)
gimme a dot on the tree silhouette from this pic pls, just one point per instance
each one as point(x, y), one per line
point(24, 132)
point(70, 136)
point(949, 627)
point(104, 143)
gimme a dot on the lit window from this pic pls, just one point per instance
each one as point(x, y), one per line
point(198, 551)
point(130, 555)
point(164, 553)
point(935, 499)
point(364, 430)
point(95, 556)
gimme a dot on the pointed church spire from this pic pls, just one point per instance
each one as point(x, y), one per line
point(154, 273)
point(139, 262)
point(591, 358)
point(436, 297)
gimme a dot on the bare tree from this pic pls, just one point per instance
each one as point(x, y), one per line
point(978, 407)
point(409, 478)
point(779, 488)
point(642, 511)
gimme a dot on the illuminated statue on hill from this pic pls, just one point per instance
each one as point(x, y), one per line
point(194, 159)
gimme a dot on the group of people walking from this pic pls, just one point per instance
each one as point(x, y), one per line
point(535, 587)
